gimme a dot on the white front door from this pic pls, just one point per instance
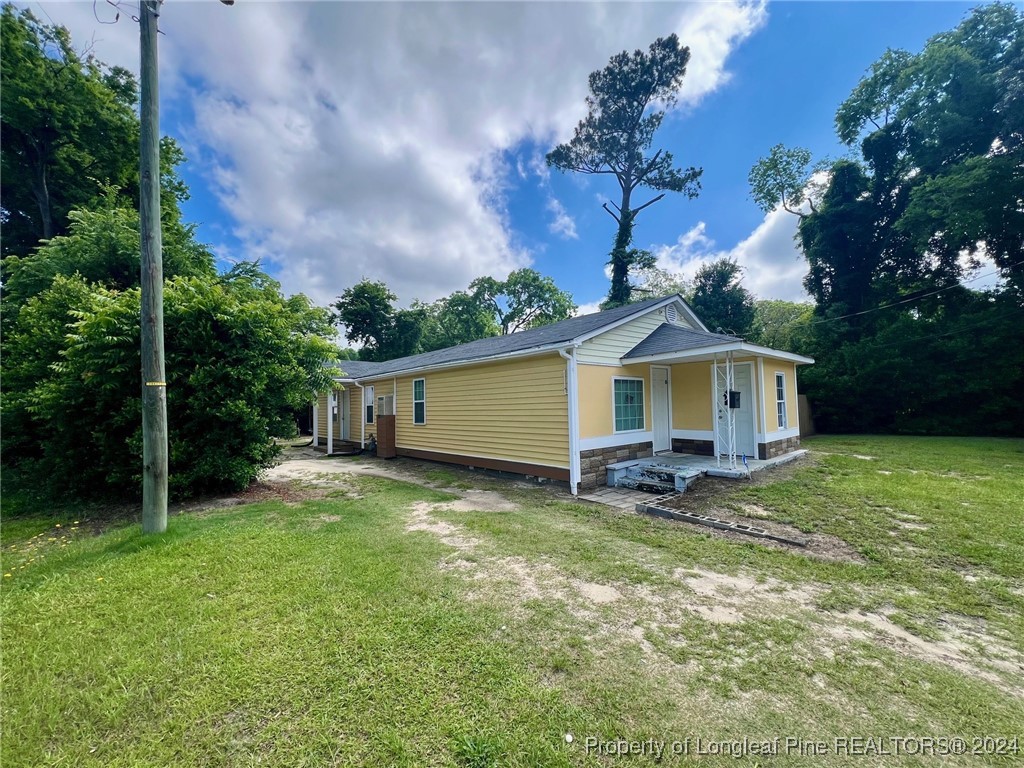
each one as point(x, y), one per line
point(661, 413)
point(343, 398)
point(745, 413)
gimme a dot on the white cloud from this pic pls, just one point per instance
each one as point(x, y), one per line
point(350, 140)
point(562, 224)
point(589, 307)
point(773, 267)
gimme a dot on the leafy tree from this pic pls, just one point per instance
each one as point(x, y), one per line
point(67, 128)
point(456, 319)
point(627, 103)
point(370, 318)
point(940, 135)
point(653, 281)
point(786, 177)
point(102, 245)
point(781, 324)
point(720, 301)
point(526, 299)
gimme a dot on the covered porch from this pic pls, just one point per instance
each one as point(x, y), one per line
point(748, 393)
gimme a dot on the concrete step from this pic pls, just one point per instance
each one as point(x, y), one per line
point(641, 483)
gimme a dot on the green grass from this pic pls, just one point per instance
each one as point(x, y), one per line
point(324, 633)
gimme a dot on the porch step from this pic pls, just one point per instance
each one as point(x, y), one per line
point(651, 475)
point(644, 484)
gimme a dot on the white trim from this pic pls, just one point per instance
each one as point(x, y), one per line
point(316, 420)
point(345, 410)
point(643, 404)
point(785, 402)
point(732, 346)
point(753, 416)
point(668, 373)
point(611, 441)
point(370, 391)
point(760, 399)
point(414, 401)
point(782, 434)
point(693, 434)
point(572, 392)
point(331, 399)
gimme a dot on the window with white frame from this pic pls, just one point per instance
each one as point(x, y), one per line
point(628, 397)
point(780, 399)
point(419, 401)
point(386, 405)
point(368, 403)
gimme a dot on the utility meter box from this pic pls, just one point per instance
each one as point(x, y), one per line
point(734, 398)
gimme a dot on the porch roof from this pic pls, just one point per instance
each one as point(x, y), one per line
point(671, 343)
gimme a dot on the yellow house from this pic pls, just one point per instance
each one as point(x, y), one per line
point(565, 400)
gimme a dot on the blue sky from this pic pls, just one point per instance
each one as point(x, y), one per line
point(336, 141)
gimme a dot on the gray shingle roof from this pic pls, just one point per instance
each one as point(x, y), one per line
point(556, 333)
point(673, 338)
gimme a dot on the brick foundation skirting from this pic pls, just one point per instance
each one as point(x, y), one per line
point(593, 462)
point(777, 448)
point(698, 447)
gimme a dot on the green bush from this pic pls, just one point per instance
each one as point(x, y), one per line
point(240, 359)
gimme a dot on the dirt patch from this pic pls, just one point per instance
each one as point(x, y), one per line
point(911, 526)
point(819, 545)
point(597, 593)
point(479, 501)
point(967, 648)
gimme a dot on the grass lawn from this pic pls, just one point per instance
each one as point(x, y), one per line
point(455, 619)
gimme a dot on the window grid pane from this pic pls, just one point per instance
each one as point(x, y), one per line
point(628, 400)
point(419, 413)
point(780, 399)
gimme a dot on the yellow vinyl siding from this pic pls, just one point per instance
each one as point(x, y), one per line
point(608, 347)
point(596, 407)
point(771, 367)
point(514, 410)
point(691, 396)
point(355, 411)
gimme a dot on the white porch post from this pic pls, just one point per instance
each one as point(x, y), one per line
point(332, 398)
point(316, 421)
point(573, 395)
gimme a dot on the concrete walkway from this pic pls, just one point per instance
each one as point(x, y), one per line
point(620, 498)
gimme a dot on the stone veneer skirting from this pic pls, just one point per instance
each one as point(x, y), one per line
point(698, 447)
point(777, 448)
point(593, 462)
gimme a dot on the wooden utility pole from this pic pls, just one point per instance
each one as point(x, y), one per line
point(154, 386)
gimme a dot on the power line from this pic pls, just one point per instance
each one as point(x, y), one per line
point(960, 284)
point(955, 332)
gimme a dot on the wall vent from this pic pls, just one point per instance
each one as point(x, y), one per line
point(670, 313)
